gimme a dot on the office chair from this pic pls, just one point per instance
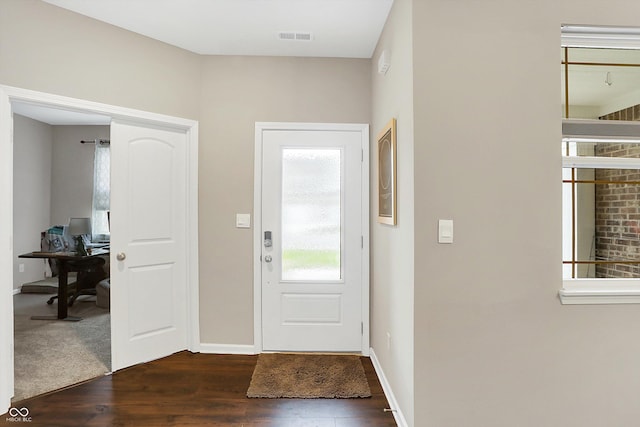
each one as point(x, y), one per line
point(90, 272)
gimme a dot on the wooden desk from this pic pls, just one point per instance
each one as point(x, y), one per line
point(65, 262)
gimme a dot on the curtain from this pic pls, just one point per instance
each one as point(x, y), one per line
point(101, 192)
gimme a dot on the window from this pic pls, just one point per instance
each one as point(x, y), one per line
point(601, 212)
point(101, 192)
point(311, 214)
point(600, 165)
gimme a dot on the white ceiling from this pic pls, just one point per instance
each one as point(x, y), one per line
point(607, 88)
point(57, 117)
point(338, 28)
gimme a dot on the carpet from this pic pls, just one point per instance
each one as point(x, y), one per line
point(308, 376)
point(49, 354)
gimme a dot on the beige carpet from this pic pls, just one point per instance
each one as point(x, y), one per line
point(55, 354)
point(308, 376)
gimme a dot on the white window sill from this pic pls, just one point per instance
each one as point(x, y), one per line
point(600, 291)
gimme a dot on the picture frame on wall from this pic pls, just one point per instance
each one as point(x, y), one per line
point(387, 207)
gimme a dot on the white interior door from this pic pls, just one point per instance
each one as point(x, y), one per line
point(148, 248)
point(125, 314)
point(312, 240)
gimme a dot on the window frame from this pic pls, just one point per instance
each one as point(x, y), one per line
point(600, 290)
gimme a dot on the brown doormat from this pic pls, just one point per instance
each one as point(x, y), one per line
point(308, 376)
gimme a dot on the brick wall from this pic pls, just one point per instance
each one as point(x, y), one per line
point(618, 207)
point(628, 114)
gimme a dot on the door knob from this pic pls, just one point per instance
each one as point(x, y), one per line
point(268, 258)
point(121, 256)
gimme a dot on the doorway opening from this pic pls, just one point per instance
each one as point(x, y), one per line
point(125, 121)
point(54, 156)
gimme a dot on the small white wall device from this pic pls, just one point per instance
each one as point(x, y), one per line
point(383, 62)
point(445, 231)
point(243, 220)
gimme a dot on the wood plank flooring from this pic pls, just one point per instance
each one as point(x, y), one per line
point(188, 389)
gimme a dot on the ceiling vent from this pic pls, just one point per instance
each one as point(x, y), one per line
point(292, 35)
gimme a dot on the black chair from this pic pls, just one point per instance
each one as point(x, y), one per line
point(90, 272)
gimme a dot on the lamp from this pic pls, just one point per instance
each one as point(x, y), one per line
point(77, 228)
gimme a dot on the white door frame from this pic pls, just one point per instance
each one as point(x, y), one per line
point(10, 94)
point(257, 220)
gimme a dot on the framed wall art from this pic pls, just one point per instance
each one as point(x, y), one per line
point(387, 174)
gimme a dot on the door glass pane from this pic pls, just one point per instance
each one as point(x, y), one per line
point(311, 214)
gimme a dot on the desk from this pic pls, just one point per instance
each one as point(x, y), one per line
point(65, 262)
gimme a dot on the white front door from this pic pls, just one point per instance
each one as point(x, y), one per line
point(148, 244)
point(312, 240)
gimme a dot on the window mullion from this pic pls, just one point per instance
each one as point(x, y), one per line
point(573, 223)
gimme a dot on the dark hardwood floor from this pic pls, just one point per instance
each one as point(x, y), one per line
point(188, 389)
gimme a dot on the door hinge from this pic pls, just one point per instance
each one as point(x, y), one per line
point(362, 155)
point(361, 328)
point(362, 242)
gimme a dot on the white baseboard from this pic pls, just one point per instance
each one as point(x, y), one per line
point(388, 392)
point(16, 291)
point(227, 349)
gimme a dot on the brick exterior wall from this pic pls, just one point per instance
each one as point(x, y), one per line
point(617, 231)
point(627, 114)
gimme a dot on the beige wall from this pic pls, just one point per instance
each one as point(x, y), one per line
point(32, 153)
point(392, 254)
point(236, 93)
point(50, 49)
point(53, 50)
point(493, 345)
point(72, 171)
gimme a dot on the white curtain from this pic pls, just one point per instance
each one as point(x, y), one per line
point(101, 191)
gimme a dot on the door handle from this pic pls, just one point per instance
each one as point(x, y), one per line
point(268, 258)
point(121, 256)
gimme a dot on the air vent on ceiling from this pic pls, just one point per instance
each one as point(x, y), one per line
point(292, 35)
point(303, 36)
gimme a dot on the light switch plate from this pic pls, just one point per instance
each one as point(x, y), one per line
point(243, 220)
point(445, 231)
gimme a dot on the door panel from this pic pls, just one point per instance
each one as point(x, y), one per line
point(148, 197)
point(148, 247)
point(311, 309)
point(150, 280)
point(311, 269)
